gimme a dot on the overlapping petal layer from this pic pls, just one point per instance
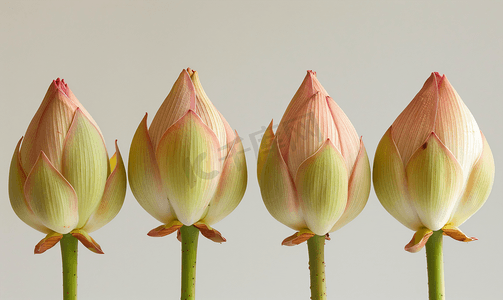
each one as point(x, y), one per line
point(180, 99)
point(435, 182)
point(145, 178)
point(358, 191)
point(278, 190)
point(51, 198)
point(113, 195)
point(478, 187)
point(189, 165)
point(322, 184)
point(85, 164)
point(231, 187)
point(17, 179)
point(390, 183)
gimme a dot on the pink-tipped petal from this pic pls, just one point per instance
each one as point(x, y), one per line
point(456, 127)
point(477, 188)
point(48, 128)
point(49, 241)
point(435, 182)
point(307, 89)
point(359, 189)
point(145, 178)
point(190, 166)
point(418, 240)
point(414, 125)
point(209, 114)
point(278, 190)
point(348, 141)
point(231, 187)
point(85, 164)
point(51, 198)
point(311, 127)
point(322, 184)
point(180, 99)
point(113, 196)
point(390, 183)
point(17, 178)
point(68, 92)
point(265, 146)
point(231, 136)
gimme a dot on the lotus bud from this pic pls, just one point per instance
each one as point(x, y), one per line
point(61, 180)
point(314, 173)
point(187, 168)
point(433, 168)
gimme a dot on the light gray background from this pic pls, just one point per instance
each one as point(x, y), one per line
point(121, 58)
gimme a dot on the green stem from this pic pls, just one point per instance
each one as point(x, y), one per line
point(189, 235)
point(316, 249)
point(69, 248)
point(435, 262)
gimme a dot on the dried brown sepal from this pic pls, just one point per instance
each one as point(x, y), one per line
point(297, 238)
point(418, 240)
point(87, 241)
point(457, 234)
point(209, 232)
point(179, 235)
point(48, 242)
point(164, 230)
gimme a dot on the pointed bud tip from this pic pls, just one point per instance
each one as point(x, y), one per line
point(438, 78)
point(61, 85)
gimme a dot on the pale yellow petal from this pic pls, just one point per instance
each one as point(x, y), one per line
point(51, 198)
point(477, 188)
point(145, 178)
point(435, 182)
point(390, 183)
point(85, 164)
point(231, 187)
point(189, 164)
point(113, 196)
point(265, 146)
point(278, 190)
point(17, 178)
point(359, 189)
point(322, 184)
